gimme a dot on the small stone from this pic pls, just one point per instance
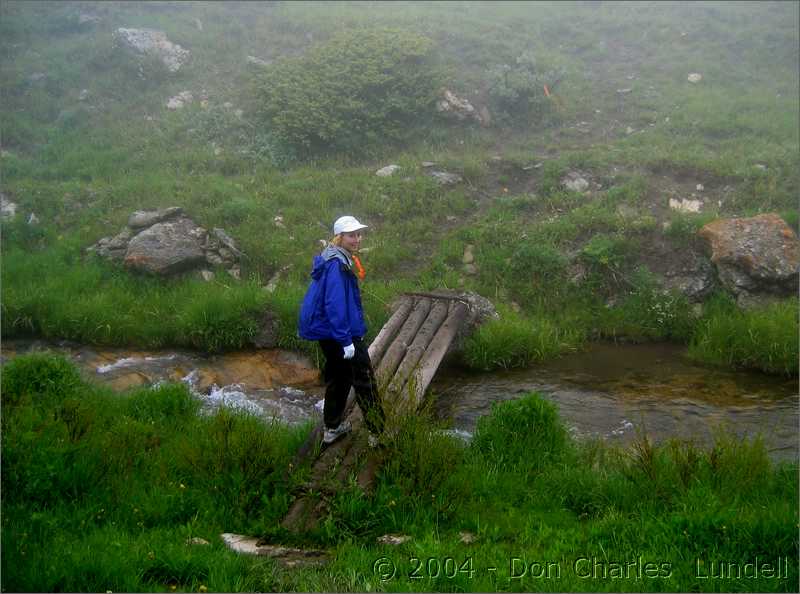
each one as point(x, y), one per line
point(700, 187)
point(179, 100)
point(387, 171)
point(629, 130)
point(468, 257)
point(235, 272)
point(469, 537)
point(684, 205)
point(8, 209)
point(197, 541)
point(695, 77)
point(393, 539)
point(760, 167)
point(207, 276)
point(84, 95)
point(257, 61)
point(624, 91)
point(444, 178)
point(278, 221)
point(574, 182)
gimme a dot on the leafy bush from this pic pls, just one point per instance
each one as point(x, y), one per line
point(361, 87)
point(605, 251)
point(537, 272)
point(40, 375)
point(525, 433)
point(649, 312)
point(516, 90)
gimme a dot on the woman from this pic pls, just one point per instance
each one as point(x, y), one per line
point(332, 314)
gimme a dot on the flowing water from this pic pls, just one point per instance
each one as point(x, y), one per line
point(620, 391)
point(273, 384)
point(613, 391)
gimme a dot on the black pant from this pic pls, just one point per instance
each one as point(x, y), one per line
point(340, 375)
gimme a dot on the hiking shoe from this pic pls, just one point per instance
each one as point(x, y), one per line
point(332, 435)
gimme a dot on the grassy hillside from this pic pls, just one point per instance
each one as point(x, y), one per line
point(87, 139)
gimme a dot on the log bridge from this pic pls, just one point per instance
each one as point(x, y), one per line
point(405, 355)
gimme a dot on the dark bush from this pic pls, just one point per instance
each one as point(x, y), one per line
point(517, 90)
point(361, 88)
point(40, 376)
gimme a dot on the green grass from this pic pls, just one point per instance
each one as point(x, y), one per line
point(102, 491)
point(763, 339)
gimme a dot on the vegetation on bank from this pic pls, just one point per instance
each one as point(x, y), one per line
point(563, 267)
point(104, 491)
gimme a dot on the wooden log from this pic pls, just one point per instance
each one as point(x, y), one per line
point(417, 348)
point(436, 351)
point(389, 331)
point(396, 352)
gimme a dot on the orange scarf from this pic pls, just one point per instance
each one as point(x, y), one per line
point(360, 272)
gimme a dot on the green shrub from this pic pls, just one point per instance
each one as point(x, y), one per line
point(536, 274)
point(516, 90)
point(165, 403)
point(605, 251)
point(648, 312)
point(525, 433)
point(39, 375)
point(362, 87)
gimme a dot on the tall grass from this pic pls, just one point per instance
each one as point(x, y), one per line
point(764, 338)
point(515, 340)
point(53, 294)
point(104, 491)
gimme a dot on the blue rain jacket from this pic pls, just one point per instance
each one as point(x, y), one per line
point(332, 306)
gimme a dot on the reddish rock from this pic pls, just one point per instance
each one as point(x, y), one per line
point(755, 257)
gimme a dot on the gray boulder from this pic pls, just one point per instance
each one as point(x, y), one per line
point(166, 248)
point(695, 279)
point(166, 241)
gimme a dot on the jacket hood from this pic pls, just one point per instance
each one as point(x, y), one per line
point(329, 253)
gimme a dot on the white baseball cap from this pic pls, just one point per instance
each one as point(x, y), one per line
point(347, 224)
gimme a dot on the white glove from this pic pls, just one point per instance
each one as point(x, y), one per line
point(349, 351)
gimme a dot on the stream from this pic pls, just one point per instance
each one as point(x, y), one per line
point(618, 392)
point(615, 392)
